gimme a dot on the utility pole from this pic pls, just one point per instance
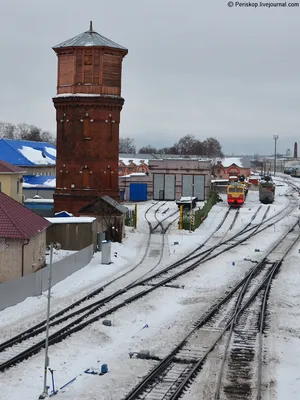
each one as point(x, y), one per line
point(275, 137)
point(191, 207)
point(45, 391)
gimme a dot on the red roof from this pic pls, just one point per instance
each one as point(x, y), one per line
point(7, 167)
point(17, 221)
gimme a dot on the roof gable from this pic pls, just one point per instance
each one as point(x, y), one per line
point(8, 168)
point(27, 153)
point(17, 221)
point(104, 205)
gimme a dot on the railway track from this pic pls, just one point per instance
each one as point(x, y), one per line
point(68, 321)
point(76, 312)
point(232, 325)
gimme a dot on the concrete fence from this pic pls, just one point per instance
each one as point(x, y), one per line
point(17, 290)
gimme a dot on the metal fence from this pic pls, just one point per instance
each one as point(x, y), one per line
point(17, 290)
point(194, 220)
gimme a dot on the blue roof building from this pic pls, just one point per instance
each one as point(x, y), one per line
point(25, 153)
point(39, 181)
point(41, 185)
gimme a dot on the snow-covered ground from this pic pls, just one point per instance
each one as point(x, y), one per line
point(161, 319)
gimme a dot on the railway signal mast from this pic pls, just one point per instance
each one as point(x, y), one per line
point(275, 137)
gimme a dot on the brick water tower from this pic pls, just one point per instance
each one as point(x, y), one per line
point(88, 106)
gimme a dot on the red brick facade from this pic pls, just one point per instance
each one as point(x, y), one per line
point(88, 108)
point(132, 167)
point(221, 172)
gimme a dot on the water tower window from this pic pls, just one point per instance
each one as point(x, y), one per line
point(88, 60)
point(88, 69)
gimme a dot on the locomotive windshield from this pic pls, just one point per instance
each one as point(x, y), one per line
point(235, 190)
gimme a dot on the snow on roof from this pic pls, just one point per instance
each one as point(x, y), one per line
point(137, 161)
point(226, 162)
point(27, 153)
point(71, 220)
point(133, 174)
point(37, 157)
point(41, 200)
point(39, 181)
point(51, 151)
point(85, 95)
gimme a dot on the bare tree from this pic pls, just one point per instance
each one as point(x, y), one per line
point(7, 130)
point(189, 145)
point(23, 131)
point(47, 136)
point(127, 146)
point(186, 144)
point(213, 148)
point(148, 150)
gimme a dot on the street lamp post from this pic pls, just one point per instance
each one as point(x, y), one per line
point(191, 206)
point(45, 391)
point(275, 137)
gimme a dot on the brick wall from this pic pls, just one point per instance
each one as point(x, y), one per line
point(87, 161)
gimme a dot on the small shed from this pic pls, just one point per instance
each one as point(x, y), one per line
point(73, 233)
point(110, 217)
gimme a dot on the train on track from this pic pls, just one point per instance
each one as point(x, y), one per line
point(236, 193)
point(240, 179)
point(266, 190)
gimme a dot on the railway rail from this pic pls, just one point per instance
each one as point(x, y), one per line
point(68, 316)
point(14, 350)
point(245, 303)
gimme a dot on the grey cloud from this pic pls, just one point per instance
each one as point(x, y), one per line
point(195, 67)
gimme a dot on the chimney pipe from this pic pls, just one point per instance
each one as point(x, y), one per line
point(295, 150)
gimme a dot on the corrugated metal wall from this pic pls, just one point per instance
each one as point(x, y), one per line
point(138, 192)
point(158, 186)
point(169, 187)
point(187, 181)
point(198, 188)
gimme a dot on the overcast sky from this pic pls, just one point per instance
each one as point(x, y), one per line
point(194, 67)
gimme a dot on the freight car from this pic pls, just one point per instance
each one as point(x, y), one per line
point(236, 194)
point(266, 190)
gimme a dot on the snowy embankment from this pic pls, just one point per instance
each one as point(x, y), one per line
point(160, 320)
